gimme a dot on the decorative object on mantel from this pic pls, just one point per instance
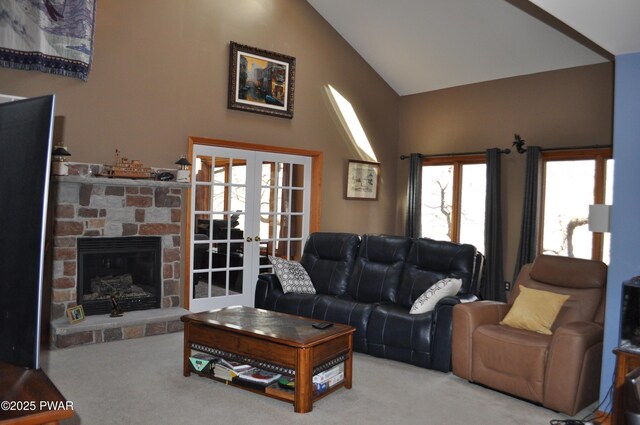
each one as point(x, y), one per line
point(133, 169)
point(363, 178)
point(183, 172)
point(75, 314)
point(55, 37)
point(261, 81)
point(59, 166)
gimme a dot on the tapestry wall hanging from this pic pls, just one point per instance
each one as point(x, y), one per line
point(53, 36)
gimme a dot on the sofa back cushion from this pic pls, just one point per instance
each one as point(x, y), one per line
point(329, 259)
point(378, 268)
point(583, 280)
point(430, 261)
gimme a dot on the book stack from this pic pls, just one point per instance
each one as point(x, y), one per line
point(256, 378)
point(228, 369)
point(324, 380)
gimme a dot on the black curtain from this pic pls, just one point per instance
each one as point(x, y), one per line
point(414, 197)
point(527, 248)
point(493, 285)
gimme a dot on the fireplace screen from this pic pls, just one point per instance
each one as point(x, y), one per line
point(125, 268)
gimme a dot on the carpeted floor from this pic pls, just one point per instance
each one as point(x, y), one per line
point(140, 381)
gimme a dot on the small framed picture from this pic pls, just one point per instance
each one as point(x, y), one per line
point(362, 180)
point(261, 81)
point(75, 314)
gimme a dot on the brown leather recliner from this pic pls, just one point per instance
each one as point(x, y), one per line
point(560, 371)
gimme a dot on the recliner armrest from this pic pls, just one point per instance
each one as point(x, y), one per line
point(466, 318)
point(268, 289)
point(575, 356)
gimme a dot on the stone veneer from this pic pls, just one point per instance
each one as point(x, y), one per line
point(103, 207)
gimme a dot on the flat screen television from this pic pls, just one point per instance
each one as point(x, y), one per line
point(25, 145)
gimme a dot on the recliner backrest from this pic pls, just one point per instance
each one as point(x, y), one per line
point(329, 259)
point(430, 261)
point(583, 280)
point(378, 268)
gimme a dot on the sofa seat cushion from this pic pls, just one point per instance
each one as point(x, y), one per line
point(348, 311)
point(294, 303)
point(510, 360)
point(395, 334)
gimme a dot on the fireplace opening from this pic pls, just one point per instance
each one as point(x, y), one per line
point(127, 268)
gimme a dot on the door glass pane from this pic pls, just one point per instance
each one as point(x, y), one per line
point(266, 226)
point(297, 201)
point(472, 204)
point(297, 175)
point(221, 170)
point(296, 226)
point(268, 174)
point(569, 188)
point(218, 198)
point(203, 168)
point(437, 201)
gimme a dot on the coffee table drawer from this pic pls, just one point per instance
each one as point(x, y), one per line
point(243, 345)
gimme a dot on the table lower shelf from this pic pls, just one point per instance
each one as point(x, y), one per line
point(271, 391)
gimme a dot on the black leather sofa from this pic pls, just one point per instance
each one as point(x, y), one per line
point(371, 283)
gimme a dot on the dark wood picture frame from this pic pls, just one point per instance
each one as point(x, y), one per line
point(267, 90)
point(363, 180)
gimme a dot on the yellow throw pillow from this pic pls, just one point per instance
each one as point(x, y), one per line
point(534, 310)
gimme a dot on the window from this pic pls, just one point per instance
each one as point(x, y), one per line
point(453, 199)
point(573, 181)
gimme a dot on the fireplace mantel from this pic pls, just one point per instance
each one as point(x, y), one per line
point(108, 181)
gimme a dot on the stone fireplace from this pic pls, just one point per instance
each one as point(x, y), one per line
point(123, 270)
point(93, 214)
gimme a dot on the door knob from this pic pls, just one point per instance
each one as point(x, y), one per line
point(257, 238)
point(249, 239)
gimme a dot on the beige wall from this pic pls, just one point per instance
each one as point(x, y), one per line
point(571, 107)
point(160, 74)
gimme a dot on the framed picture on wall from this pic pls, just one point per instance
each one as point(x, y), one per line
point(363, 178)
point(261, 81)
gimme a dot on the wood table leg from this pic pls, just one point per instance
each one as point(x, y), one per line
point(186, 371)
point(348, 365)
point(302, 402)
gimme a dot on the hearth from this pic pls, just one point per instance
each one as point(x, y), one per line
point(127, 268)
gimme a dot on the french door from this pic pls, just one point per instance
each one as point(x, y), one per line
point(245, 205)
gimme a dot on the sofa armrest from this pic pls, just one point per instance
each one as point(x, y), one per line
point(572, 375)
point(441, 333)
point(466, 318)
point(268, 290)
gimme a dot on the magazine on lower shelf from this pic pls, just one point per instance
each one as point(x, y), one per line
point(233, 365)
point(258, 376)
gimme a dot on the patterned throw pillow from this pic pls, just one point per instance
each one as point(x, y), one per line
point(446, 287)
point(293, 277)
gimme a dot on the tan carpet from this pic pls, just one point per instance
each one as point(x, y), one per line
point(140, 381)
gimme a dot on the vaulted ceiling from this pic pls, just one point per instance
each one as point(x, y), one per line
point(425, 45)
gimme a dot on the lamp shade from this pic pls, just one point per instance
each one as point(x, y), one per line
point(599, 216)
point(60, 151)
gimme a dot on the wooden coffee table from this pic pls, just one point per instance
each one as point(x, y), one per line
point(273, 341)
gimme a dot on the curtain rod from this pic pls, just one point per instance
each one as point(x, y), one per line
point(435, 155)
point(507, 151)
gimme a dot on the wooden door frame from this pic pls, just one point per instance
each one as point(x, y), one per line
point(316, 190)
